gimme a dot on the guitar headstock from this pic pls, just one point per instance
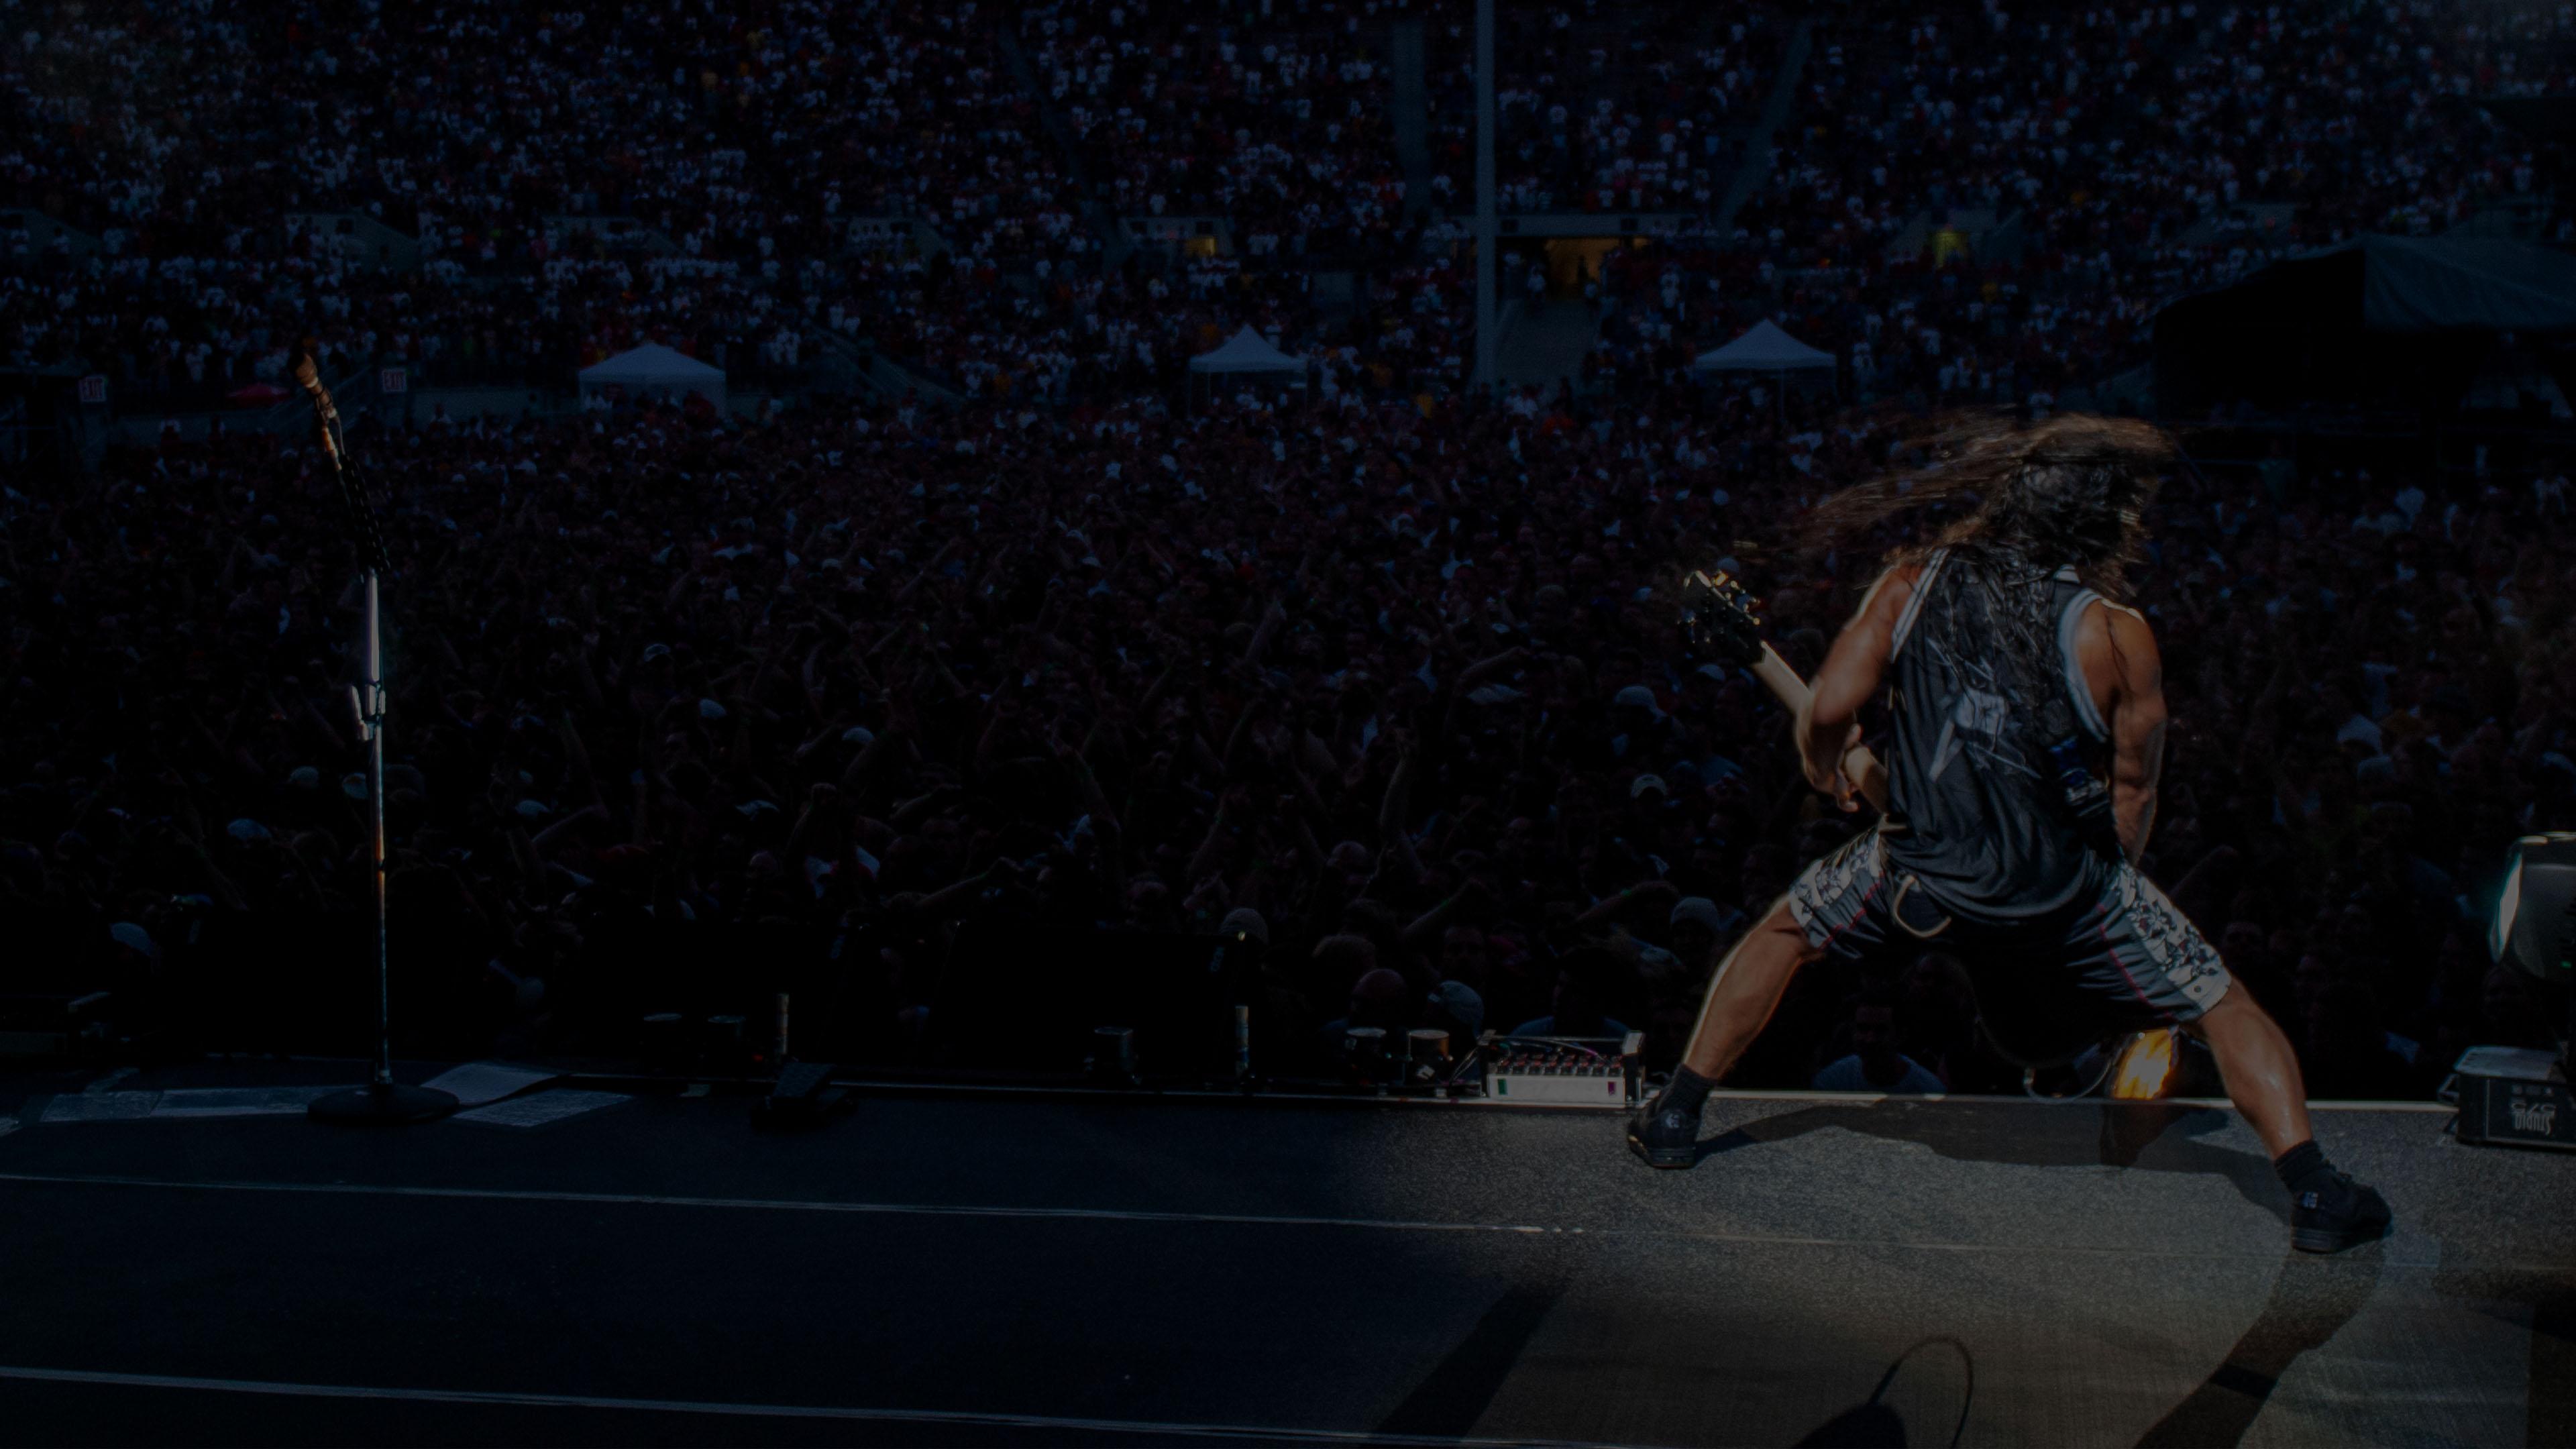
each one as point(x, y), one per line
point(1721, 617)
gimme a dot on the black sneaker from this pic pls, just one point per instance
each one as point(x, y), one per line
point(1664, 1137)
point(2337, 1213)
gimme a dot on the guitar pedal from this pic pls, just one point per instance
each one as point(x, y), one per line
point(1563, 1071)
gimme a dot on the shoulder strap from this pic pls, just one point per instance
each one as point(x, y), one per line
point(2079, 691)
point(1914, 605)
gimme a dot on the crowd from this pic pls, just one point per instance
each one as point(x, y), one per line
point(1277, 122)
point(1375, 675)
point(1966, 203)
point(1392, 694)
point(740, 142)
point(197, 271)
point(2026, 186)
point(1606, 108)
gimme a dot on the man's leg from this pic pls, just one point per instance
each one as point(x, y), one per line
point(2135, 945)
point(1746, 990)
point(1741, 997)
point(2329, 1212)
point(2259, 1069)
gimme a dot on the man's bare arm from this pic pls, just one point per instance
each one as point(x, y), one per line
point(1829, 725)
point(2137, 729)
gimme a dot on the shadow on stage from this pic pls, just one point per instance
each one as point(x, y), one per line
point(2146, 1136)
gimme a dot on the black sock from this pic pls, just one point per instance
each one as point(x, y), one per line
point(1687, 1090)
point(2301, 1166)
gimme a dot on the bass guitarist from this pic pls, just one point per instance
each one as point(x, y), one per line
point(2018, 685)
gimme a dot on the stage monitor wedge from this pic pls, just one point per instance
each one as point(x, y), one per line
point(2535, 920)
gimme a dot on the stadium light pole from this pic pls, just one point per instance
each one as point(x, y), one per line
point(1486, 266)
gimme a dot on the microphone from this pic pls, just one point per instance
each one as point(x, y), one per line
point(304, 367)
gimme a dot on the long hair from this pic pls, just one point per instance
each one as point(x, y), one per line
point(2069, 491)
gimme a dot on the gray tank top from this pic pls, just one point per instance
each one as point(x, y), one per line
point(1978, 812)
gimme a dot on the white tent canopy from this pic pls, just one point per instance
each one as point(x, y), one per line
point(1246, 351)
point(655, 371)
point(1764, 349)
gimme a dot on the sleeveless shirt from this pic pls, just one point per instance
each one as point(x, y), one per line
point(1978, 811)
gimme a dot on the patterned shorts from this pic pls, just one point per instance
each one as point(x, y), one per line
point(2122, 960)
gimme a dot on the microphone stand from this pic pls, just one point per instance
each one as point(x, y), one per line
point(382, 1102)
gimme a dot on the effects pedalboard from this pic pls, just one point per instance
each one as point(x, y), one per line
point(1563, 1071)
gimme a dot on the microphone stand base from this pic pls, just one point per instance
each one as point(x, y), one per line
point(383, 1105)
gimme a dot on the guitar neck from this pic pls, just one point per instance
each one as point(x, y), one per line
point(1793, 693)
point(1781, 680)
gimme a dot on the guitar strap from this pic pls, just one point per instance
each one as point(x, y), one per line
point(1915, 910)
point(2087, 798)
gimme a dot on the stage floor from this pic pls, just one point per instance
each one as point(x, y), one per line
point(960, 1269)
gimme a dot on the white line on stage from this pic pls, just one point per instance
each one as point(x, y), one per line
point(961, 1210)
point(764, 1411)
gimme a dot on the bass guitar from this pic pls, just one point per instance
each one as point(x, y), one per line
point(1724, 620)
